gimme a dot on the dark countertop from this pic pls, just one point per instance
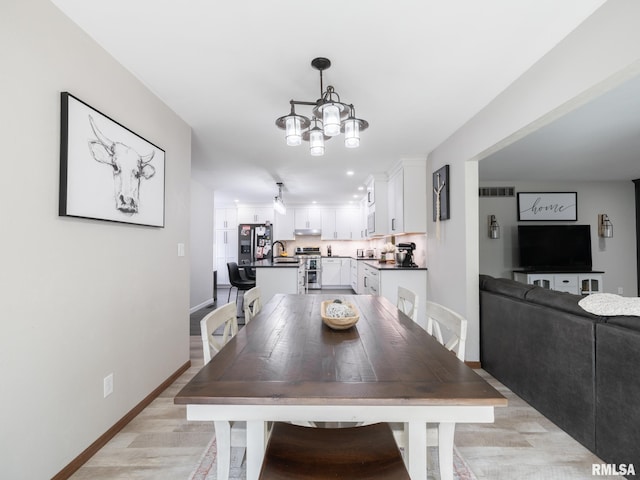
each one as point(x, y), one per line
point(269, 264)
point(391, 266)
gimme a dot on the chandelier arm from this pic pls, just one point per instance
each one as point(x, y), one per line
point(300, 102)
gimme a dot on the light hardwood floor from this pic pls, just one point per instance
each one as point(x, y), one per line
point(161, 444)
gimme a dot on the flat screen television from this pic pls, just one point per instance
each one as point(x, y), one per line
point(555, 248)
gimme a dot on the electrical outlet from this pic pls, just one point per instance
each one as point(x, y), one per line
point(108, 385)
point(620, 291)
point(181, 249)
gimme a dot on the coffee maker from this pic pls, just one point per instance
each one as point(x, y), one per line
point(408, 249)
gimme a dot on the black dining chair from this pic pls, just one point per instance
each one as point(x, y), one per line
point(250, 273)
point(237, 280)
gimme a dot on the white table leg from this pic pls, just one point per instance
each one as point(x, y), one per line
point(223, 448)
point(445, 449)
point(416, 450)
point(256, 443)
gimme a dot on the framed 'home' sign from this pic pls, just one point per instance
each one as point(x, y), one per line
point(547, 206)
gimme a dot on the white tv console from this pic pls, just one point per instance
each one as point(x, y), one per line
point(581, 283)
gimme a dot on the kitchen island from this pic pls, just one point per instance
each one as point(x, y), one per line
point(280, 275)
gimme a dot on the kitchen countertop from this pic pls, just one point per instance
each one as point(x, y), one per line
point(268, 264)
point(390, 266)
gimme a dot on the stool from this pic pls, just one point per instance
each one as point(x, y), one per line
point(355, 453)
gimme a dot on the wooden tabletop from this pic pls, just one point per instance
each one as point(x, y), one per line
point(287, 356)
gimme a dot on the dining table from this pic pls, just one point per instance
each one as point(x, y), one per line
point(288, 365)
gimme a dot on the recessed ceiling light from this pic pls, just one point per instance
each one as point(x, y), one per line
point(313, 201)
point(350, 172)
point(361, 188)
point(355, 196)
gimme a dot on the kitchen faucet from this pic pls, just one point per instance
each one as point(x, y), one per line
point(273, 247)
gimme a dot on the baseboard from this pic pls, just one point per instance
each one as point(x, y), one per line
point(201, 306)
point(92, 449)
point(475, 365)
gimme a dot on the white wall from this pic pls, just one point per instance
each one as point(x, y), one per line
point(616, 256)
point(79, 299)
point(201, 248)
point(600, 54)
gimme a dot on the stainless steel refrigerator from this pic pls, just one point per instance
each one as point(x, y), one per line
point(254, 242)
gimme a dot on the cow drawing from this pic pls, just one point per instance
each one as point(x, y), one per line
point(129, 167)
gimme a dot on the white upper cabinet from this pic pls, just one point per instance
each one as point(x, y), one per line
point(255, 214)
point(377, 211)
point(341, 223)
point(283, 226)
point(407, 197)
point(307, 217)
point(225, 218)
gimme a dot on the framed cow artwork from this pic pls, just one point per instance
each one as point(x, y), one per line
point(108, 172)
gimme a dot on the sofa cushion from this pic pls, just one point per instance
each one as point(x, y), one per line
point(504, 286)
point(566, 302)
point(632, 323)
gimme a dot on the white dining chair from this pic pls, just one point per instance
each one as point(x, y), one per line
point(408, 303)
point(450, 330)
point(252, 303)
point(228, 434)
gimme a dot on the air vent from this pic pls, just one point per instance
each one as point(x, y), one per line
point(497, 191)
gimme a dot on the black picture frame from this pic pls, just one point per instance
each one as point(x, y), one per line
point(547, 206)
point(107, 171)
point(441, 179)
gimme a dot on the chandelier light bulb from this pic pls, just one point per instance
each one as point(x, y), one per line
point(316, 142)
point(293, 131)
point(351, 133)
point(331, 120)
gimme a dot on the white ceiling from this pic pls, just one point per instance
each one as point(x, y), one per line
point(416, 70)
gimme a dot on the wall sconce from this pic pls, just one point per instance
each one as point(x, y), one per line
point(494, 228)
point(605, 227)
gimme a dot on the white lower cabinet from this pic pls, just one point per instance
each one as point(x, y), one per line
point(385, 282)
point(576, 283)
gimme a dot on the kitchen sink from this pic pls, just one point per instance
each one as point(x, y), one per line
point(286, 260)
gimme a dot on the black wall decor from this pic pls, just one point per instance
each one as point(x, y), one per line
point(441, 193)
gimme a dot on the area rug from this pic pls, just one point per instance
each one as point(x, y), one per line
point(206, 468)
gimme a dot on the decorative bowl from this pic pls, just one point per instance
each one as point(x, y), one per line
point(338, 323)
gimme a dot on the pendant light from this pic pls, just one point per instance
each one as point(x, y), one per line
point(316, 140)
point(351, 127)
point(333, 116)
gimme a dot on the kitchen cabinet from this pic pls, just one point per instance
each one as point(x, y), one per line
point(576, 283)
point(255, 214)
point(225, 218)
point(371, 283)
point(340, 223)
point(407, 197)
point(283, 226)
point(306, 218)
point(226, 250)
point(353, 268)
point(377, 211)
point(345, 272)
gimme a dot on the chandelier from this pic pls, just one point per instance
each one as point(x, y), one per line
point(330, 118)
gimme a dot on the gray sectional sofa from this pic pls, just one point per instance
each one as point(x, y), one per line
point(580, 370)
